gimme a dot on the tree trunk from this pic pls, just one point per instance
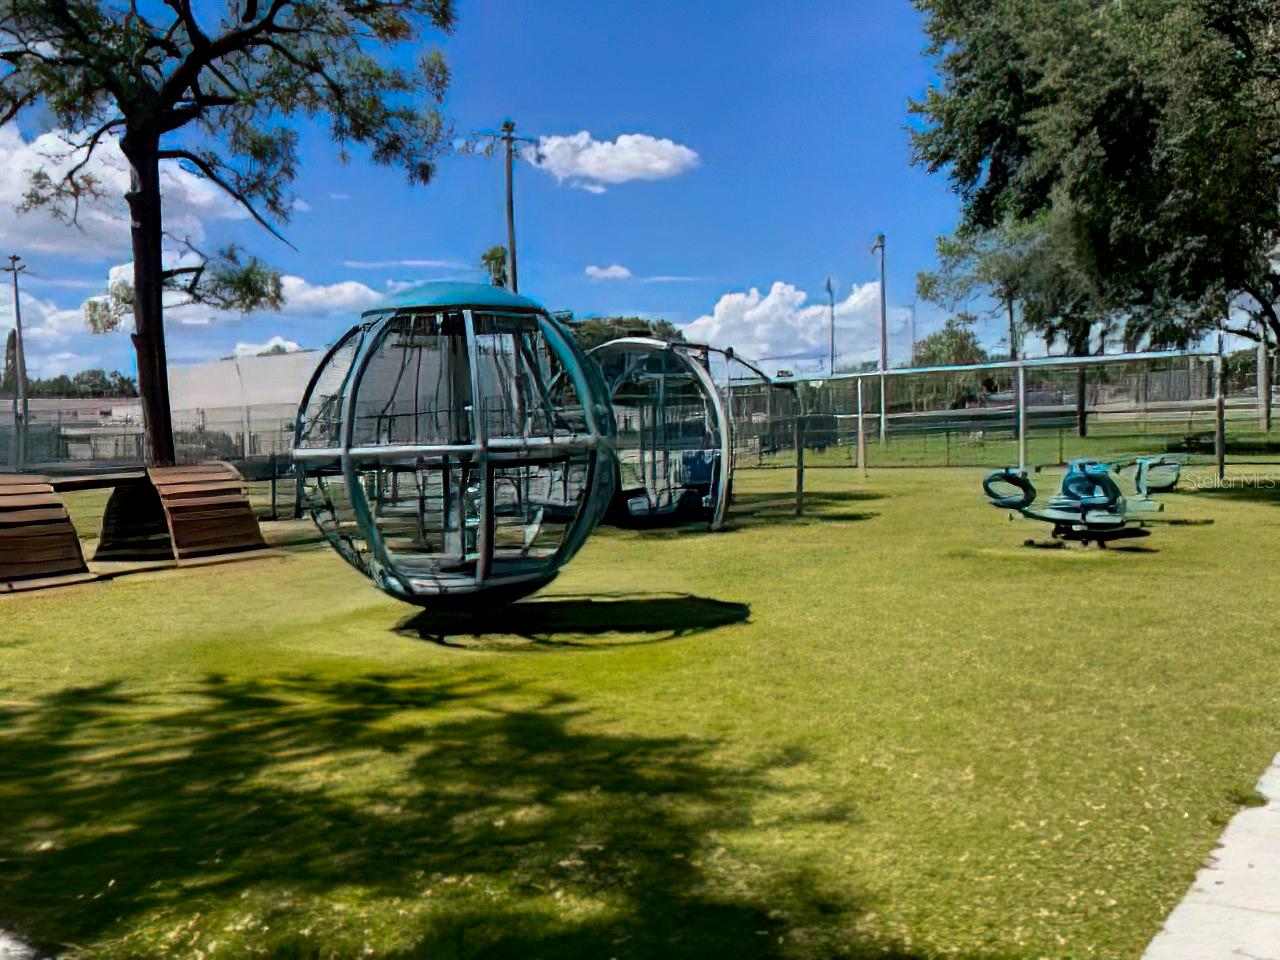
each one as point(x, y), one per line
point(1079, 345)
point(1013, 331)
point(142, 150)
point(1082, 412)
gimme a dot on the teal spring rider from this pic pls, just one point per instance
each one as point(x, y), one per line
point(1089, 506)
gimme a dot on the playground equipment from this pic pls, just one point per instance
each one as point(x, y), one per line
point(1088, 507)
point(178, 513)
point(456, 446)
point(38, 544)
point(1158, 474)
point(674, 436)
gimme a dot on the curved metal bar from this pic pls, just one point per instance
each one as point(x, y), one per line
point(355, 489)
point(724, 475)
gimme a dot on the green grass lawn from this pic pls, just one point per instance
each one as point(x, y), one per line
point(884, 730)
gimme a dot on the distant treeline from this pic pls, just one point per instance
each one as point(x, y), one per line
point(594, 331)
point(87, 383)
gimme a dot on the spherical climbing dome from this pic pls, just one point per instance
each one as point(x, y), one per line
point(456, 445)
point(674, 434)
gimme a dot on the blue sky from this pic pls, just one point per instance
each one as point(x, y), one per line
point(787, 152)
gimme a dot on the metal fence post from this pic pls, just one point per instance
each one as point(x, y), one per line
point(273, 486)
point(862, 433)
point(1022, 418)
point(1264, 386)
point(800, 465)
point(1220, 420)
point(884, 408)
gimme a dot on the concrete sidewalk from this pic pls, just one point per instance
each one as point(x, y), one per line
point(1232, 911)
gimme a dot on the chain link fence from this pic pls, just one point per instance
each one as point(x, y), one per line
point(1101, 407)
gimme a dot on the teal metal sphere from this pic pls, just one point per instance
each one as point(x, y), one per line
point(456, 445)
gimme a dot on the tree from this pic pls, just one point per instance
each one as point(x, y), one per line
point(1148, 129)
point(216, 98)
point(976, 262)
point(86, 383)
point(494, 261)
point(954, 344)
point(597, 330)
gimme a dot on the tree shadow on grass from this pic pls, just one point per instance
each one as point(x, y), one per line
point(308, 817)
point(597, 621)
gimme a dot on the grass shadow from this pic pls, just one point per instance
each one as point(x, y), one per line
point(411, 815)
point(597, 621)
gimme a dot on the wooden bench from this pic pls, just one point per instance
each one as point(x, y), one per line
point(179, 513)
point(38, 544)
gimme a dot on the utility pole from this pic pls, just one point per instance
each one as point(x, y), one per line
point(831, 298)
point(484, 142)
point(21, 406)
point(884, 344)
point(508, 138)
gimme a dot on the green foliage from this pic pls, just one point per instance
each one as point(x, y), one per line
point(86, 383)
point(1148, 130)
point(216, 89)
point(955, 343)
point(594, 331)
point(230, 81)
point(494, 261)
point(227, 280)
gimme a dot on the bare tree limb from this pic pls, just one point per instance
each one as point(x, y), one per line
point(212, 173)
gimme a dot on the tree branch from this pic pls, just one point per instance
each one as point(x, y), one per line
point(212, 173)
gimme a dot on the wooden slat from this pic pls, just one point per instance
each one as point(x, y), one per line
point(190, 536)
point(168, 475)
point(28, 501)
point(19, 479)
point(211, 503)
point(16, 518)
point(203, 493)
point(25, 489)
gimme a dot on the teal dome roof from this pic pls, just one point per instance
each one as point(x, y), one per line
point(447, 293)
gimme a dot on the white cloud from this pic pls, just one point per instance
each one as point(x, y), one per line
point(253, 349)
point(56, 337)
point(784, 324)
point(103, 230)
point(590, 164)
point(44, 323)
point(303, 297)
point(614, 272)
point(55, 364)
point(389, 264)
point(618, 272)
